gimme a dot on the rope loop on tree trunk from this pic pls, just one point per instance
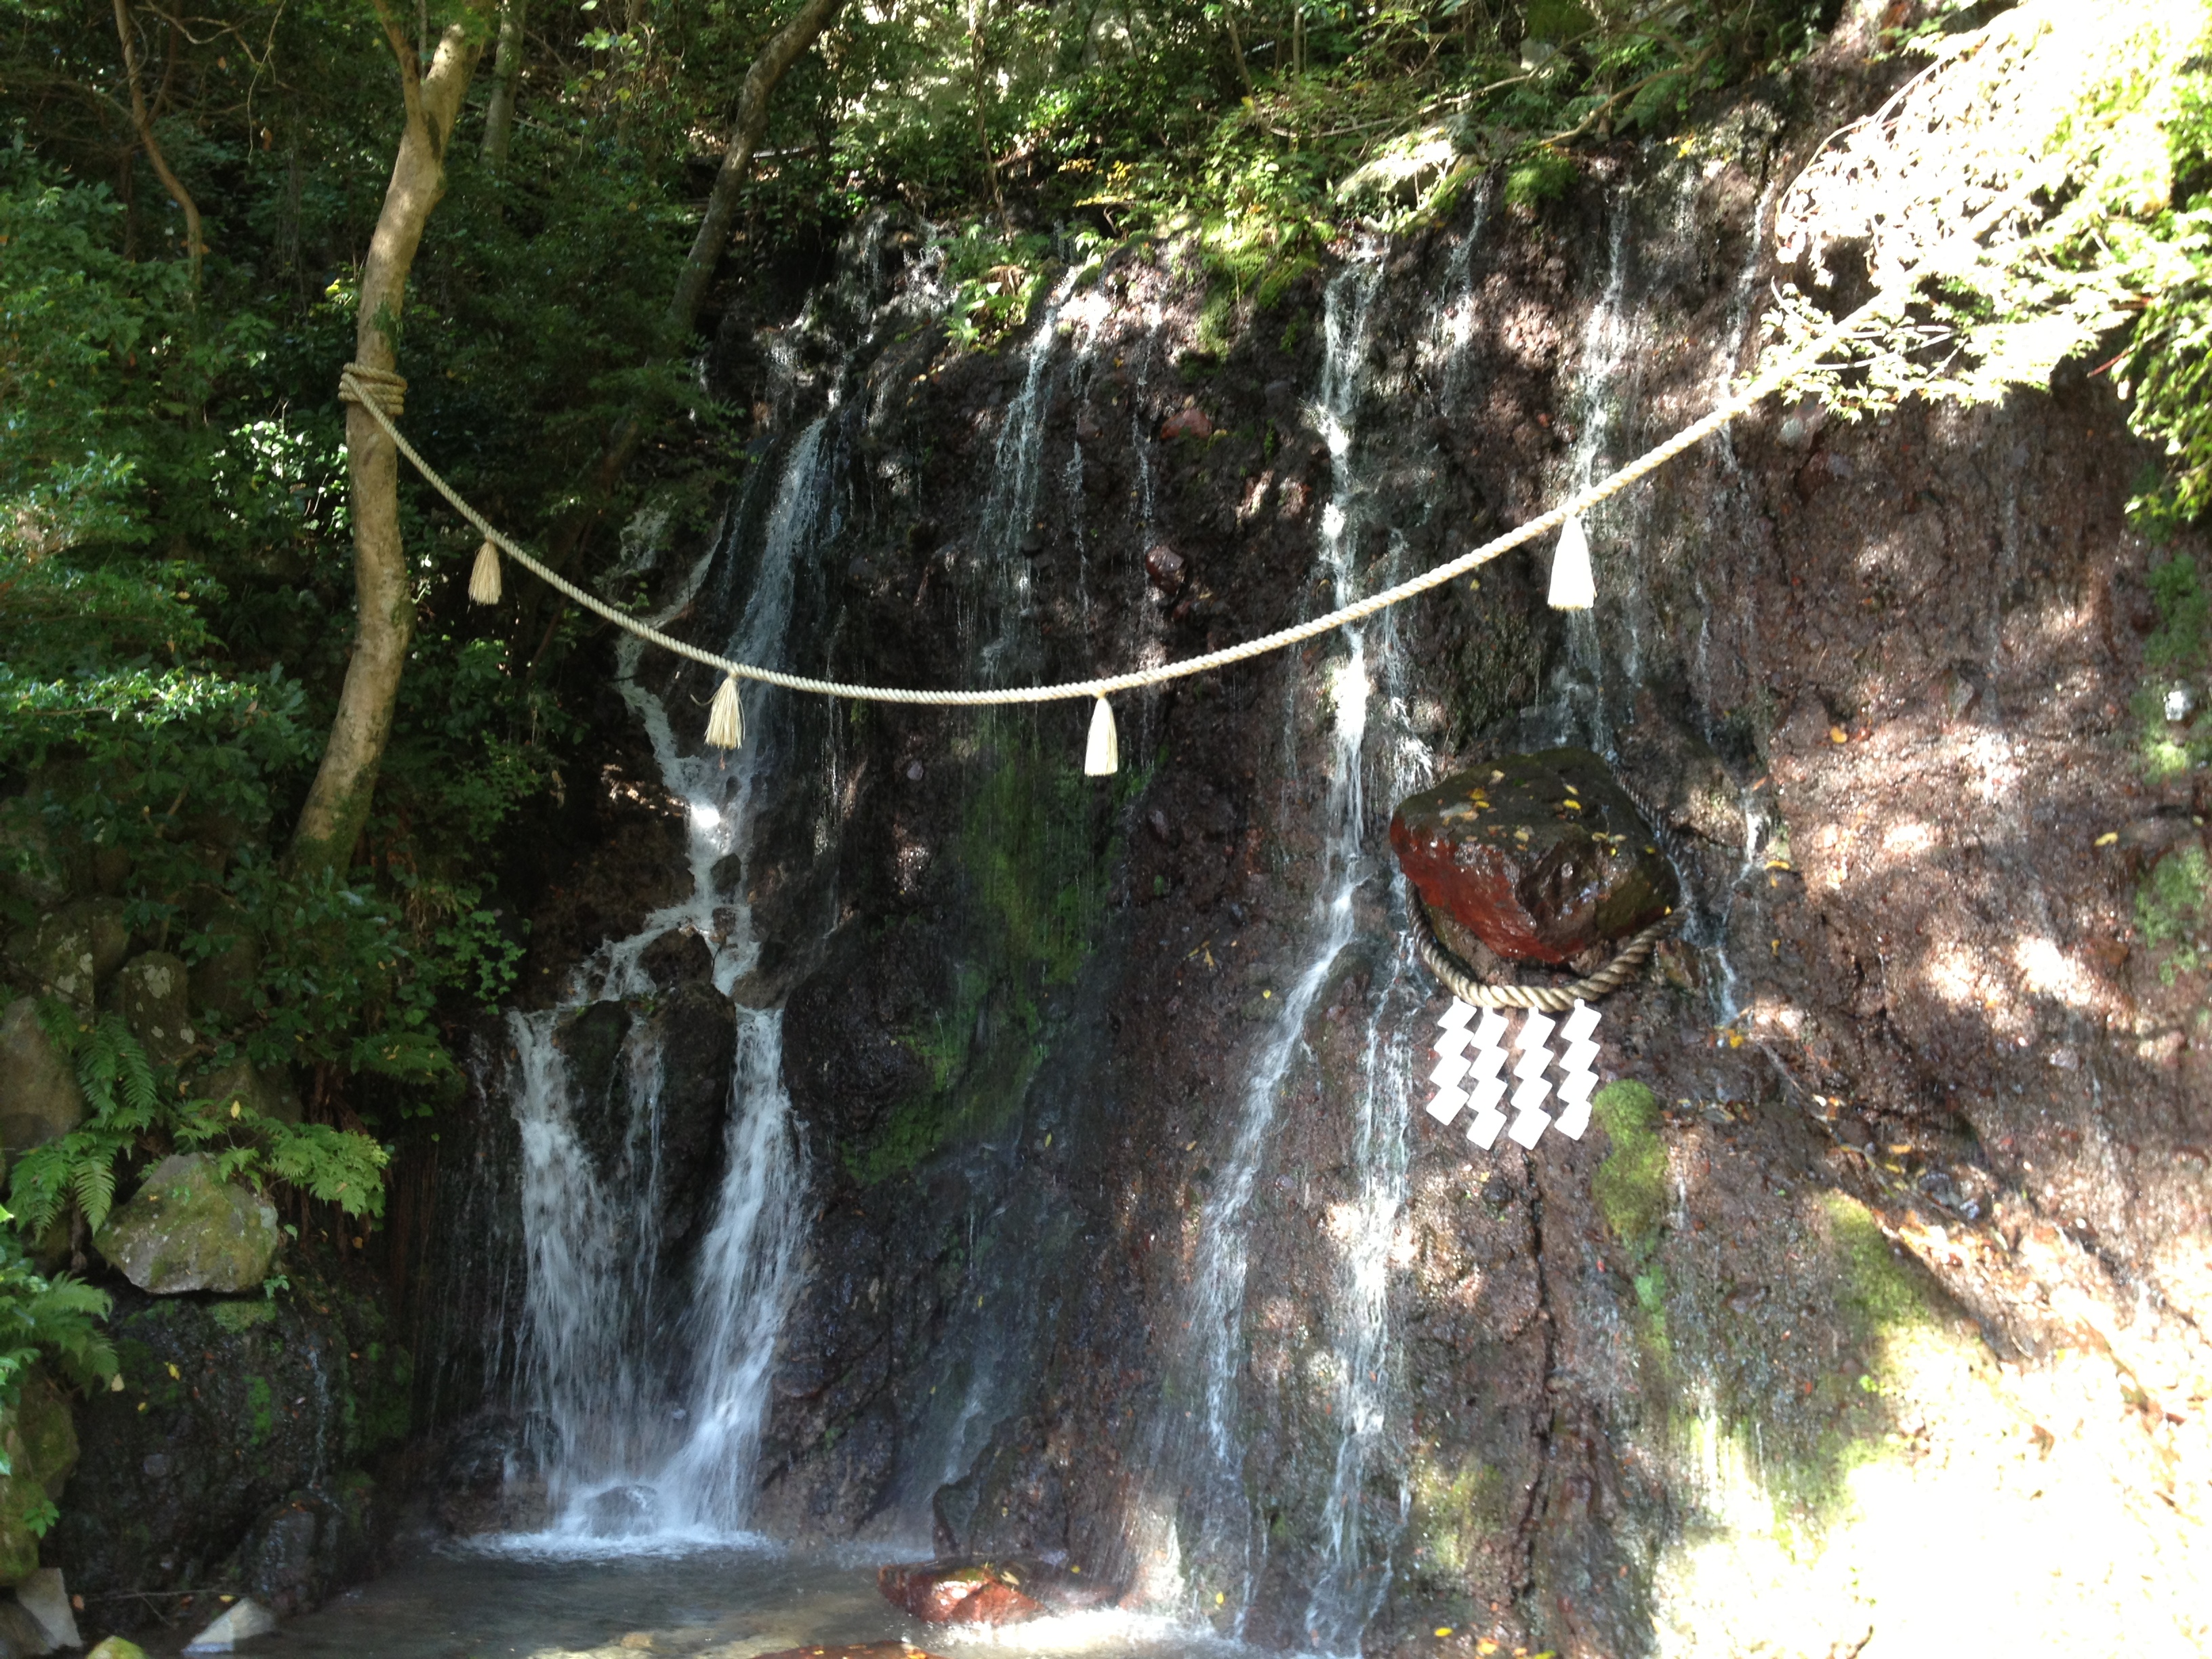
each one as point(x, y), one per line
point(1461, 980)
point(377, 390)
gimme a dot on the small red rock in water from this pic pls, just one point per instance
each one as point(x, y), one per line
point(1539, 856)
point(1187, 423)
point(955, 1593)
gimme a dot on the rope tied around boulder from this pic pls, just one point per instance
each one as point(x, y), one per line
point(1462, 982)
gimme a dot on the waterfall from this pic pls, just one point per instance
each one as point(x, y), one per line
point(1225, 1532)
point(1010, 509)
point(647, 1431)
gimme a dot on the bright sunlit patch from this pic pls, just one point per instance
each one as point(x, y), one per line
point(1903, 841)
point(1954, 975)
point(1348, 690)
point(2050, 972)
point(705, 815)
point(1102, 1630)
point(1088, 309)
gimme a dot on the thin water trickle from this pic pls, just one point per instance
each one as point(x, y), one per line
point(1010, 510)
point(1227, 1543)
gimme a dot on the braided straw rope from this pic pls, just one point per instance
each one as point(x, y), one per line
point(1459, 979)
point(355, 386)
point(378, 390)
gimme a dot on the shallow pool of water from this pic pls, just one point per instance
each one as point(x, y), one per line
point(518, 1600)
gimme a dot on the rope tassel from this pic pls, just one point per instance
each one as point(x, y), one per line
point(1101, 757)
point(725, 720)
point(1573, 588)
point(483, 581)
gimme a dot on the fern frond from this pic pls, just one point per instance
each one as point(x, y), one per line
point(139, 1092)
point(36, 1188)
point(92, 1183)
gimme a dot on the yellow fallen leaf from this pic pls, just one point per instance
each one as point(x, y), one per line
point(174, 1374)
point(1443, 1629)
point(1837, 734)
point(2108, 838)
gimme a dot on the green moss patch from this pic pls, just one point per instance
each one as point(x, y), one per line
point(1630, 1184)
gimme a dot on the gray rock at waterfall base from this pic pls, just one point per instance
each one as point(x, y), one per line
point(242, 1622)
point(21, 1636)
point(185, 1229)
point(39, 1099)
point(151, 993)
point(45, 1598)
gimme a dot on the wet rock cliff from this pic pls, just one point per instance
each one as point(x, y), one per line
point(1123, 1241)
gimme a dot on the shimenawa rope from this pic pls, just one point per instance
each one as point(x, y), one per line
point(367, 388)
point(1459, 979)
point(379, 394)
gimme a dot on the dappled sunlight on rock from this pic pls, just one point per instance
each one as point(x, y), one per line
point(2040, 1481)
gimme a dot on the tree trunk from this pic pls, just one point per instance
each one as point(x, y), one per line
point(781, 52)
point(1236, 48)
point(783, 49)
point(144, 122)
point(337, 803)
point(506, 73)
point(976, 19)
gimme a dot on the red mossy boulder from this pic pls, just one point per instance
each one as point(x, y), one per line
point(1539, 856)
point(957, 1592)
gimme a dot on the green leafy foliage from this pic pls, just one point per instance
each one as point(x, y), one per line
point(2174, 909)
point(57, 1321)
point(130, 1117)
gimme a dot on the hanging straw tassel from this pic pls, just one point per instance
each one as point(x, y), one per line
point(725, 720)
point(1573, 588)
point(483, 581)
point(1102, 757)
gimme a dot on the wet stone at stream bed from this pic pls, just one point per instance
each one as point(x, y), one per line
point(1539, 856)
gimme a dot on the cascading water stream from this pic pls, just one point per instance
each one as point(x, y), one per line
point(1225, 1538)
point(638, 1435)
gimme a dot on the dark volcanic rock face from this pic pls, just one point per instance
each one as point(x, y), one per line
point(1541, 857)
point(234, 1454)
point(1921, 1161)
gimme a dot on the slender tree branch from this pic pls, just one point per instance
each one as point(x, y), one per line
point(194, 247)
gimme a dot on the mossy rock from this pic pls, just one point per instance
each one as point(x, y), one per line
point(36, 866)
point(186, 1229)
point(230, 1459)
point(38, 1435)
point(152, 993)
point(1630, 1184)
point(39, 1099)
